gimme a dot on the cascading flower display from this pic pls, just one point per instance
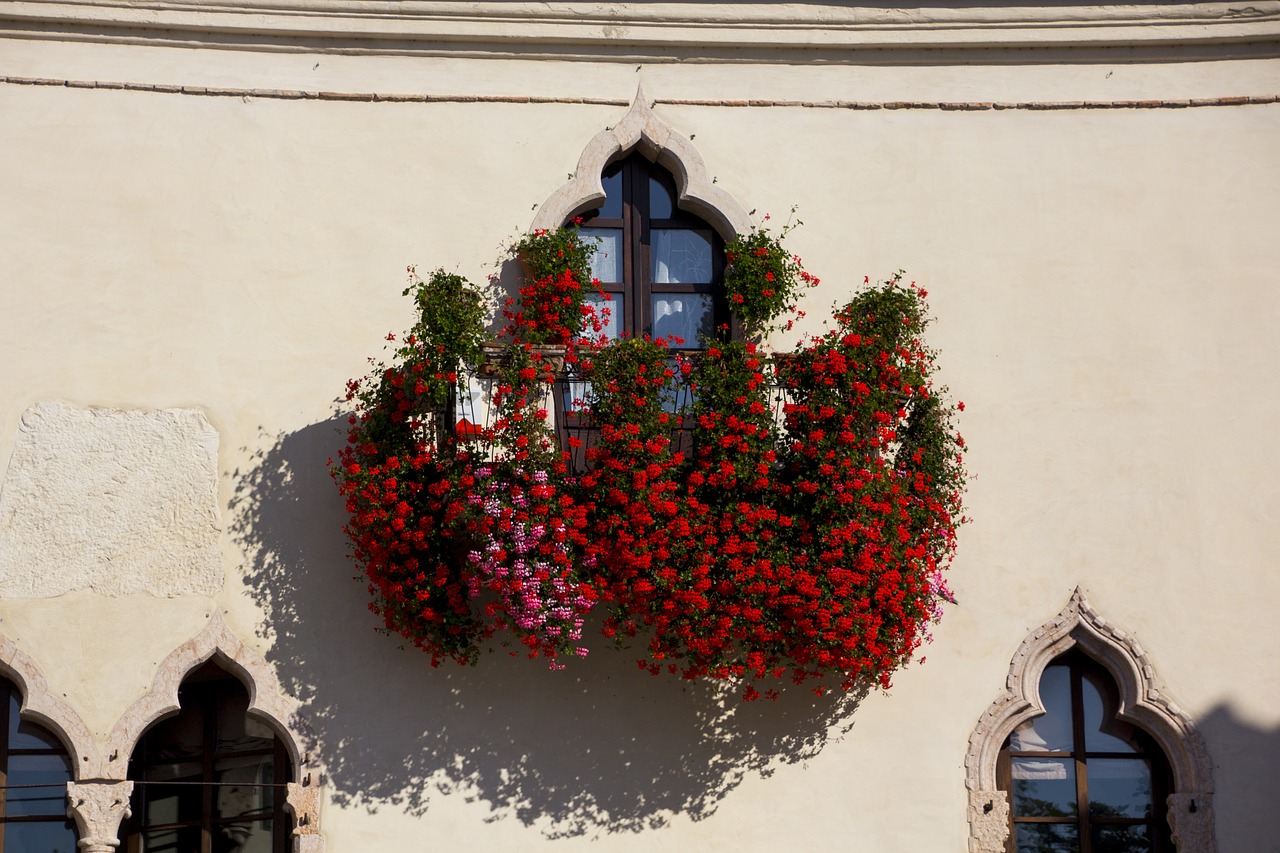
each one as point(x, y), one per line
point(747, 516)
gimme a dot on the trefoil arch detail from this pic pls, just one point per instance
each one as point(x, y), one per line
point(642, 129)
point(1142, 703)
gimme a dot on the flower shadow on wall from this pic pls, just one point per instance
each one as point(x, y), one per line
point(598, 748)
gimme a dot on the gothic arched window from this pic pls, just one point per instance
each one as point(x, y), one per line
point(34, 772)
point(210, 779)
point(1079, 778)
point(660, 266)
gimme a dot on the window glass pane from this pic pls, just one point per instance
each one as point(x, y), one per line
point(612, 180)
point(1120, 839)
point(243, 837)
point(242, 786)
point(1044, 787)
point(661, 204)
point(612, 302)
point(40, 837)
point(50, 772)
point(1102, 733)
point(606, 263)
point(687, 316)
point(1051, 732)
point(172, 840)
point(236, 732)
point(1119, 787)
point(1046, 838)
point(680, 256)
point(24, 735)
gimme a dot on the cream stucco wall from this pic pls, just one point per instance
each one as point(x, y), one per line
point(1105, 287)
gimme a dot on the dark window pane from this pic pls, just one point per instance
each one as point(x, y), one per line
point(681, 256)
point(40, 837)
point(612, 180)
point(1044, 787)
point(242, 786)
point(1102, 732)
point(186, 840)
point(243, 837)
point(174, 739)
point(1046, 838)
point(50, 772)
point(662, 205)
point(1121, 839)
point(1119, 787)
point(24, 735)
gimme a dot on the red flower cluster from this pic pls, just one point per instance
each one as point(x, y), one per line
point(751, 517)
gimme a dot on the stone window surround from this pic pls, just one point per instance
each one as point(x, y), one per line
point(641, 129)
point(98, 799)
point(1141, 703)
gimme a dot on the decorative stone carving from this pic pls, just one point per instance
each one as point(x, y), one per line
point(642, 129)
point(989, 820)
point(42, 707)
point(1141, 703)
point(111, 501)
point(1191, 819)
point(98, 808)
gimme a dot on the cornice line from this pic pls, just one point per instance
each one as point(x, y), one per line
point(384, 97)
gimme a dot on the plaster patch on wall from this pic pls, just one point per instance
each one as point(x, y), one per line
point(112, 501)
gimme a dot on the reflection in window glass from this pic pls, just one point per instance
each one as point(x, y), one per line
point(682, 316)
point(1052, 731)
point(661, 203)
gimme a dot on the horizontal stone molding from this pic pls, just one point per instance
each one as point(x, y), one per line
point(697, 30)
point(425, 98)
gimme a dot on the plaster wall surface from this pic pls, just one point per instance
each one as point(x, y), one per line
point(1103, 283)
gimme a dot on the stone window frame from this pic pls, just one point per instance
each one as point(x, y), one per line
point(641, 129)
point(1142, 703)
point(268, 704)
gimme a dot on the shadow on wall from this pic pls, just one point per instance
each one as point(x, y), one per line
point(1245, 761)
point(597, 748)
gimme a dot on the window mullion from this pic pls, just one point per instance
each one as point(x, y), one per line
point(1082, 770)
point(208, 710)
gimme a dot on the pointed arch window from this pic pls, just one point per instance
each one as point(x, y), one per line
point(210, 779)
point(660, 267)
point(34, 772)
point(1078, 777)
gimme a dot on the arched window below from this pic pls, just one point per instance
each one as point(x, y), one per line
point(1079, 778)
point(659, 266)
point(210, 779)
point(34, 772)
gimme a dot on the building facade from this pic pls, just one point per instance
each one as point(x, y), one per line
point(207, 213)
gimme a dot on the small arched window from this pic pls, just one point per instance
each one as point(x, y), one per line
point(659, 266)
point(34, 772)
point(210, 779)
point(1079, 778)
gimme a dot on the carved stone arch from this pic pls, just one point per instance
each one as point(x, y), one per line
point(643, 130)
point(42, 707)
point(1141, 703)
point(268, 703)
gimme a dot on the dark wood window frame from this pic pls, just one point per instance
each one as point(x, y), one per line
point(199, 696)
point(1080, 665)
